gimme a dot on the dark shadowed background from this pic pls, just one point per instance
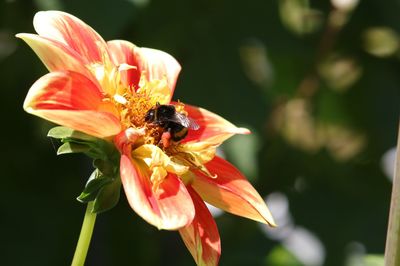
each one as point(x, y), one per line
point(318, 83)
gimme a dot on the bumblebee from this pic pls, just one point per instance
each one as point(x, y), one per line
point(175, 125)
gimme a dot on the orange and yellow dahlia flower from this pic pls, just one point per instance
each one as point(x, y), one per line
point(104, 89)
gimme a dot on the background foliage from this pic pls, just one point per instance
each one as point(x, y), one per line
point(317, 82)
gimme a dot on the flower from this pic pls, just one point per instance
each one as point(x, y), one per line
point(105, 89)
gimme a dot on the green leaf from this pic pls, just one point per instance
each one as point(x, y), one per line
point(243, 151)
point(298, 17)
point(357, 259)
point(381, 41)
point(280, 256)
point(96, 182)
point(374, 260)
point(108, 197)
point(68, 133)
point(70, 147)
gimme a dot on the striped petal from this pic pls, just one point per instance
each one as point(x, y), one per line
point(201, 237)
point(55, 55)
point(154, 64)
point(231, 192)
point(123, 52)
point(70, 99)
point(169, 207)
point(72, 32)
point(213, 128)
point(159, 65)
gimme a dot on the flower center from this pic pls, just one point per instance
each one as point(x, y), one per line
point(133, 107)
point(133, 104)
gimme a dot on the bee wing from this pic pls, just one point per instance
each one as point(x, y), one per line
point(192, 124)
point(180, 119)
point(185, 121)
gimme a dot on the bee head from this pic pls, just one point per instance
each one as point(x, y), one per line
point(150, 115)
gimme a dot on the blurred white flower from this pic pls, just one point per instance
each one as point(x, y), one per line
point(387, 163)
point(302, 243)
point(346, 5)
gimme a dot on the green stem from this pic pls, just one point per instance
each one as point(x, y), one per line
point(392, 252)
point(84, 237)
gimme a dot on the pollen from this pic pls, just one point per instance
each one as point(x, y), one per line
point(180, 108)
point(132, 107)
point(154, 134)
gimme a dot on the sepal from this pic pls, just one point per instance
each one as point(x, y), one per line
point(101, 188)
point(78, 142)
point(60, 132)
point(104, 184)
point(70, 147)
point(95, 182)
point(108, 196)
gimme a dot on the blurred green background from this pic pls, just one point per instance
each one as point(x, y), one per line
point(318, 82)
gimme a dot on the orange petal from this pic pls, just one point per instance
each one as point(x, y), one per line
point(170, 207)
point(72, 32)
point(158, 65)
point(212, 126)
point(123, 52)
point(55, 55)
point(231, 192)
point(201, 237)
point(72, 100)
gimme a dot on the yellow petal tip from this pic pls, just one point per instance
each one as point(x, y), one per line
point(21, 35)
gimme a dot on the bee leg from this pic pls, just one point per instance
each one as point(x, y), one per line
point(166, 139)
